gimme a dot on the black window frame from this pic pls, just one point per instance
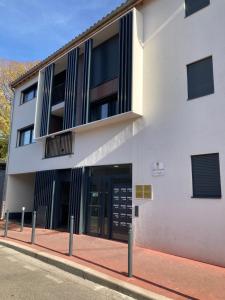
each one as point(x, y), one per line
point(23, 130)
point(201, 182)
point(33, 88)
point(190, 11)
point(111, 101)
point(58, 88)
point(211, 84)
point(101, 51)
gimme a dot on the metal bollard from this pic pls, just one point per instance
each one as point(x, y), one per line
point(130, 250)
point(22, 219)
point(71, 236)
point(33, 228)
point(6, 223)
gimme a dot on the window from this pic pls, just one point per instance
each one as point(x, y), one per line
point(200, 78)
point(206, 176)
point(58, 88)
point(26, 136)
point(105, 62)
point(29, 94)
point(103, 108)
point(191, 6)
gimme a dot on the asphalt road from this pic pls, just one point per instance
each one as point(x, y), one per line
point(23, 277)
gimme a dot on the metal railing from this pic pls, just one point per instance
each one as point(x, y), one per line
point(58, 145)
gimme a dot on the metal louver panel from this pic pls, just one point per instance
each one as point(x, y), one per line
point(75, 196)
point(125, 63)
point(46, 104)
point(206, 176)
point(86, 80)
point(71, 89)
point(43, 192)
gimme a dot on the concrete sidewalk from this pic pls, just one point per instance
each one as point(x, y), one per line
point(167, 275)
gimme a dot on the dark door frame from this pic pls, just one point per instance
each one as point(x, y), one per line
point(111, 180)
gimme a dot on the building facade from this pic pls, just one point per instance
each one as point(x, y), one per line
point(124, 125)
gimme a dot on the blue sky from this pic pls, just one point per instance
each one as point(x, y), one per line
point(33, 29)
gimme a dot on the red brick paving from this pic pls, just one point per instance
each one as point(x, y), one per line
point(168, 275)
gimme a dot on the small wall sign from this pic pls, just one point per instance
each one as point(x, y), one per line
point(139, 191)
point(158, 169)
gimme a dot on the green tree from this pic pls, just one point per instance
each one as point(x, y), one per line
point(9, 71)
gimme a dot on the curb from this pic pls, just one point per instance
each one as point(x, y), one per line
point(86, 273)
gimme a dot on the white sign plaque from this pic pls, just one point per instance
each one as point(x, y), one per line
point(158, 169)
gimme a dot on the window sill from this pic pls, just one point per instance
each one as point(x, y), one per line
point(60, 155)
point(205, 197)
point(189, 99)
point(21, 146)
point(23, 103)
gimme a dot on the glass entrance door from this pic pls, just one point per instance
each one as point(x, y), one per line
point(109, 201)
point(98, 207)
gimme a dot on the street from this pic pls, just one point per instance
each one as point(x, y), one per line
point(23, 277)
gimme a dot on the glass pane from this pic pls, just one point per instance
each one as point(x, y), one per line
point(106, 214)
point(25, 138)
point(29, 95)
point(104, 110)
point(94, 211)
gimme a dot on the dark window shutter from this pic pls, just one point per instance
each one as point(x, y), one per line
point(46, 102)
point(71, 89)
point(206, 176)
point(125, 63)
point(43, 194)
point(200, 78)
point(191, 6)
point(86, 80)
point(75, 197)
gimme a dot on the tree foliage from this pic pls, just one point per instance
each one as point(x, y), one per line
point(9, 71)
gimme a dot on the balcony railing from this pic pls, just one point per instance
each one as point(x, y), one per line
point(58, 145)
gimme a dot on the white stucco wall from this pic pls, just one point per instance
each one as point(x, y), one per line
point(170, 131)
point(20, 192)
point(176, 128)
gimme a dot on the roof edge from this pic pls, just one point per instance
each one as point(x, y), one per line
point(110, 17)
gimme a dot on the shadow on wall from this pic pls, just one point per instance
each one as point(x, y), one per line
point(95, 156)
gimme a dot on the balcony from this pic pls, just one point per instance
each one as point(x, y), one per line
point(98, 83)
point(58, 145)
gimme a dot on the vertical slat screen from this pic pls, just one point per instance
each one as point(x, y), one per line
point(125, 70)
point(46, 104)
point(43, 191)
point(86, 80)
point(71, 89)
point(75, 196)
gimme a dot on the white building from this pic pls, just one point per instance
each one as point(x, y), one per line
point(125, 123)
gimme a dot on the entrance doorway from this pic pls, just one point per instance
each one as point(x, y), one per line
point(64, 204)
point(62, 199)
point(109, 201)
